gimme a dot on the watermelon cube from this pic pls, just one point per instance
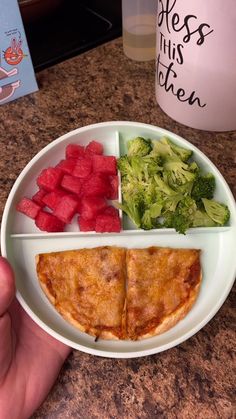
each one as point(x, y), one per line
point(86, 225)
point(38, 196)
point(71, 184)
point(111, 211)
point(28, 207)
point(67, 165)
point(52, 199)
point(113, 190)
point(91, 206)
point(49, 179)
point(66, 208)
point(83, 167)
point(106, 223)
point(48, 222)
point(74, 151)
point(94, 148)
point(96, 185)
point(104, 164)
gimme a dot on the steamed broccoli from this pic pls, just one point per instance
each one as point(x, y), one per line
point(216, 211)
point(203, 187)
point(124, 166)
point(201, 219)
point(183, 153)
point(165, 148)
point(133, 207)
point(171, 202)
point(139, 147)
point(160, 187)
point(177, 172)
point(182, 218)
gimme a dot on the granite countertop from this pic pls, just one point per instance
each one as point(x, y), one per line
point(193, 380)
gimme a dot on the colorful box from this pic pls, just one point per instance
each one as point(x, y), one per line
point(17, 77)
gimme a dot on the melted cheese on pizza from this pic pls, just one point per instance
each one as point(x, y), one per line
point(87, 287)
point(162, 286)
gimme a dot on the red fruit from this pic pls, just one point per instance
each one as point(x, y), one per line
point(83, 167)
point(104, 164)
point(96, 185)
point(48, 222)
point(66, 208)
point(74, 151)
point(71, 184)
point(111, 211)
point(91, 206)
point(38, 196)
point(67, 166)
point(113, 192)
point(28, 207)
point(94, 148)
point(106, 223)
point(49, 179)
point(86, 225)
point(52, 199)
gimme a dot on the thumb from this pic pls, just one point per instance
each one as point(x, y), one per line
point(7, 285)
point(7, 292)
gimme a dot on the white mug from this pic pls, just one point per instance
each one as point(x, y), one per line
point(196, 62)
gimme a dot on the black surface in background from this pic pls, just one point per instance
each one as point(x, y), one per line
point(75, 27)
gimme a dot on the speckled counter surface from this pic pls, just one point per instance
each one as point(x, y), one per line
point(195, 379)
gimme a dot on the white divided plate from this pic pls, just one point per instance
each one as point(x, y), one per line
point(21, 241)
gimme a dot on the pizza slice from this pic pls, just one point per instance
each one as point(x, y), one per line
point(162, 286)
point(87, 287)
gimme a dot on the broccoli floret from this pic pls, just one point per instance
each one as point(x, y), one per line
point(124, 166)
point(161, 149)
point(217, 212)
point(139, 147)
point(163, 187)
point(182, 218)
point(201, 219)
point(133, 207)
point(203, 187)
point(171, 202)
point(183, 153)
point(150, 217)
point(177, 172)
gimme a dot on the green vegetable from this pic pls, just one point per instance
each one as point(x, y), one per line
point(161, 187)
point(139, 147)
point(203, 187)
point(201, 219)
point(216, 211)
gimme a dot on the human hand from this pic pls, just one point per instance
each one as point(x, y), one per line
point(30, 359)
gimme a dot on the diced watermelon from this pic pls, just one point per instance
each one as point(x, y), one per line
point(38, 196)
point(52, 199)
point(67, 165)
point(113, 191)
point(94, 148)
point(91, 206)
point(83, 167)
point(49, 179)
point(86, 225)
point(104, 164)
point(107, 223)
point(28, 207)
point(71, 184)
point(110, 210)
point(66, 208)
point(96, 185)
point(74, 151)
point(48, 222)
